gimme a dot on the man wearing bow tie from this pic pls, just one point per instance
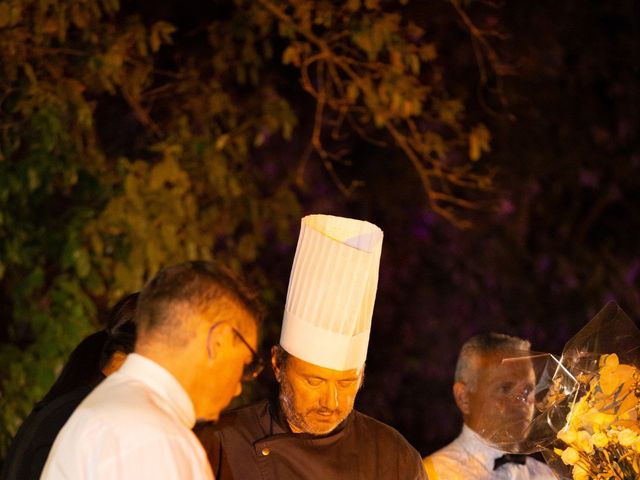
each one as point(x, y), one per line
point(494, 390)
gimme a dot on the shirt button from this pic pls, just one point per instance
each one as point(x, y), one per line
point(265, 451)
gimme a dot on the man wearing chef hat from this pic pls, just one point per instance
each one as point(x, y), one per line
point(312, 431)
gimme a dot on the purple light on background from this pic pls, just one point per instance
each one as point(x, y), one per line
point(270, 169)
point(429, 217)
point(570, 280)
point(589, 178)
point(506, 207)
point(542, 264)
point(609, 297)
point(420, 232)
point(632, 273)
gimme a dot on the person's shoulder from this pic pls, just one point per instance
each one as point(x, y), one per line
point(539, 469)
point(250, 412)
point(390, 446)
point(451, 461)
point(371, 426)
point(231, 418)
point(256, 408)
point(452, 452)
point(120, 405)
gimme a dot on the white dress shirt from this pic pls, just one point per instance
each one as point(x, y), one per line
point(469, 458)
point(135, 425)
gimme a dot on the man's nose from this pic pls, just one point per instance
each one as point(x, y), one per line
point(329, 398)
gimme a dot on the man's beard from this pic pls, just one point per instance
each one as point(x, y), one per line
point(298, 419)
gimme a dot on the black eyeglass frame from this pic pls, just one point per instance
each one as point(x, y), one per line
point(253, 368)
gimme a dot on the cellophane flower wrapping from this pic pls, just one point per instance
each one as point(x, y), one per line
point(587, 402)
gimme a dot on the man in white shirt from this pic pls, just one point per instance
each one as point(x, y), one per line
point(197, 335)
point(496, 398)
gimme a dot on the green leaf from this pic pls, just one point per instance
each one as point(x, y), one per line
point(82, 262)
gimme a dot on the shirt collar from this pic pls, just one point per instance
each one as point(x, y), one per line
point(165, 385)
point(476, 446)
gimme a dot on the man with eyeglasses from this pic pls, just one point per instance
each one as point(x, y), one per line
point(311, 431)
point(197, 334)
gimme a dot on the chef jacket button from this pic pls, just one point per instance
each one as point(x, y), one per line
point(265, 451)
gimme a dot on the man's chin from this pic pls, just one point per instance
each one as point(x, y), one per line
point(509, 438)
point(211, 416)
point(323, 424)
point(321, 428)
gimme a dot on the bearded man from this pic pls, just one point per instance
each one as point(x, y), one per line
point(312, 430)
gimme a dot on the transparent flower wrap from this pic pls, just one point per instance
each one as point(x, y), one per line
point(529, 403)
point(585, 406)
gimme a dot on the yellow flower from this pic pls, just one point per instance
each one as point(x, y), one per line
point(595, 420)
point(614, 377)
point(583, 442)
point(610, 360)
point(581, 407)
point(580, 473)
point(600, 439)
point(627, 437)
point(567, 436)
point(606, 417)
point(570, 456)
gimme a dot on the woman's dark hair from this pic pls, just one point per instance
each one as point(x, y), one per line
point(84, 366)
point(121, 329)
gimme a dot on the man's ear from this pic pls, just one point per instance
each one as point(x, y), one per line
point(277, 370)
point(461, 396)
point(216, 338)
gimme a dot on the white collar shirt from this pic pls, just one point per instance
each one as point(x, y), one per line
point(135, 425)
point(470, 458)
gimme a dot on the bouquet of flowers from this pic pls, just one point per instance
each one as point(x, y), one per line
point(586, 419)
point(601, 438)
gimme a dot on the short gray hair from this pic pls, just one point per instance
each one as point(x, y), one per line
point(201, 286)
point(483, 345)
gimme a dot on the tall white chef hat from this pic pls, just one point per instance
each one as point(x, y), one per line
point(332, 289)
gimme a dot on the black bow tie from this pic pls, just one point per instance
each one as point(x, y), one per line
point(509, 458)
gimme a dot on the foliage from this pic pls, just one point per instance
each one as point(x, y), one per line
point(374, 72)
point(129, 141)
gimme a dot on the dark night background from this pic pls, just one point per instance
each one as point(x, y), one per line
point(567, 143)
point(563, 242)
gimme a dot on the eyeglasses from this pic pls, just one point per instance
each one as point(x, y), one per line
point(253, 368)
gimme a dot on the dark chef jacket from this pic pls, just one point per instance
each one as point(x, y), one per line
point(254, 443)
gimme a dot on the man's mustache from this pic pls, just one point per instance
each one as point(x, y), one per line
point(324, 411)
